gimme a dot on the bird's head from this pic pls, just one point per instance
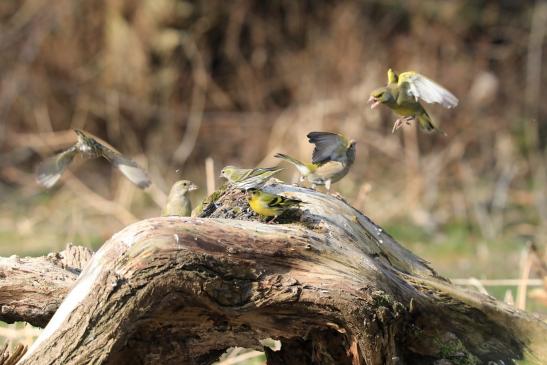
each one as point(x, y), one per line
point(181, 187)
point(380, 96)
point(252, 192)
point(227, 172)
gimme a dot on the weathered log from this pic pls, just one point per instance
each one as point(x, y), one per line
point(326, 281)
point(31, 289)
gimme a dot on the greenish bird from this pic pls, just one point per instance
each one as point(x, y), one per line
point(50, 170)
point(402, 94)
point(248, 178)
point(270, 205)
point(332, 158)
point(178, 202)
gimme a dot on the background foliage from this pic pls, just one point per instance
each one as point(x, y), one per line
point(172, 82)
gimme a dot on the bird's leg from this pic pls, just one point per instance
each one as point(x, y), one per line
point(398, 124)
point(408, 119)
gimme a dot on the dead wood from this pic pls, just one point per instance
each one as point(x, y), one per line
point(329, 283)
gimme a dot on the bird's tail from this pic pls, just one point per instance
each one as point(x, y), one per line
point(302, 168)
point(425, 122)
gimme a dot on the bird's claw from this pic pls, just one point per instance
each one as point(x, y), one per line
point(398, 124)
point(401, 122)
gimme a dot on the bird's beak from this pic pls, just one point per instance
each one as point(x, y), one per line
point(192, 187)
point(373, 102)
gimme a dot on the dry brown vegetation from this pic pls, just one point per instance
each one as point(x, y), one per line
point(172, 82)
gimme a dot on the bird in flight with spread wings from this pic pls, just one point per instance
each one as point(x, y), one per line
point(403, 93)
point(50, 170)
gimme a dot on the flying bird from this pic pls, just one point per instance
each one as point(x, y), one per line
point(332, 158)
point(178, 202)
point(403, 93)
point(50, 170)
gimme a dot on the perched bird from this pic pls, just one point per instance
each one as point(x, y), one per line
point(178, 202)
point(49, 171)
point(402, 94)
point(270, 205)
point(332, 158)
point(248, 178)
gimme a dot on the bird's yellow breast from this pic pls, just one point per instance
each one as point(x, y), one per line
point(261, 207)
point(403, 110)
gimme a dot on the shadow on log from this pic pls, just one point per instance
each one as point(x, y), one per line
point(326, 281)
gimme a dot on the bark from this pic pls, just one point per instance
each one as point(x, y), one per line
point(329, 283)
point(31, 289)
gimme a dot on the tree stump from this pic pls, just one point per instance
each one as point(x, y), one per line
point(326, 281)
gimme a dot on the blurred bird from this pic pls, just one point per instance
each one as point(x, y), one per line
point(178, 202)
point(270, 205)
point(49, 171)
point(332, 158)
point(402, 92)
point(248, 178)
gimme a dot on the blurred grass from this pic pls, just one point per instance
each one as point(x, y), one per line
point(172, 82)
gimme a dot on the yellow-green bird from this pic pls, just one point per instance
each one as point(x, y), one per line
point(402, 94)
point(248, 178)
point(332, 158)
point(178, 202)
point(270, 205)
point(49, 171)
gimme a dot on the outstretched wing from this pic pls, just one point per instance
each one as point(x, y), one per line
point(50, 170)
point(328, 147)
point(419, 86)
point(136, 174)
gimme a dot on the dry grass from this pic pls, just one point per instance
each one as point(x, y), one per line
point(176, 83)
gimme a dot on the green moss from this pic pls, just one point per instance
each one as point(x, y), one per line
point(198, 210)
point(451, 348)
point(382, 299)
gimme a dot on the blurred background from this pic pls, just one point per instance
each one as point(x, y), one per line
point(173, 83)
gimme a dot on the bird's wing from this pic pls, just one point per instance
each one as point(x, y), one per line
point(275, 201)
point(328, 147)
point(136, 174)
point(281, 201)
point(257, 177)
point(392, 77)
point(419, 86)
point(49, 171)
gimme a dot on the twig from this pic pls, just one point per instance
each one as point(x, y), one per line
point(240, 358)
point(498, 282)
point(526, 265)
point(210, 175)
point(197, 105)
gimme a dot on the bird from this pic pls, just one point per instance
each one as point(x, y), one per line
point(270, 205)
point(402, 94)
point(178, 202)
point(50, 170)
point(332, 158)
point(248, 178)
